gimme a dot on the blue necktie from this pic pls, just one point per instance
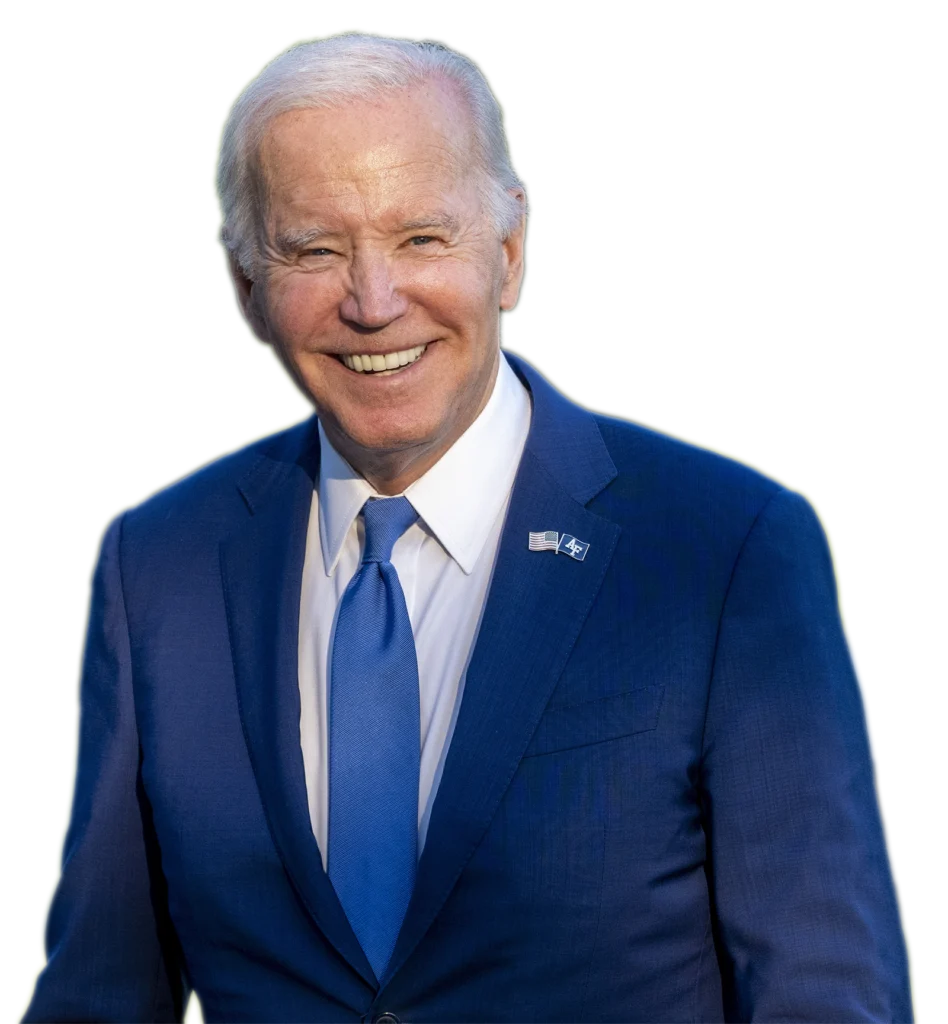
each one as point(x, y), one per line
point(374, 741)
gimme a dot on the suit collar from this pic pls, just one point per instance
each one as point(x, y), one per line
point(565, 438)
point(292, 454)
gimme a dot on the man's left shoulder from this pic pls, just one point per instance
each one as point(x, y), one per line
point(692, 515)
point(673, 480)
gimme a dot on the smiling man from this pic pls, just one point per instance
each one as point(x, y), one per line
point(455, 702)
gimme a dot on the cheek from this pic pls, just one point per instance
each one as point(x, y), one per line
point(456, 295)
point(298, 306)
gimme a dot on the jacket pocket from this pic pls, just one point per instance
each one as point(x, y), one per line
point(594, 721)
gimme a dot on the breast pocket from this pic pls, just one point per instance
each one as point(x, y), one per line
point(595, 721)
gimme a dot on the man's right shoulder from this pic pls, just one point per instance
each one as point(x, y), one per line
point(211, 496)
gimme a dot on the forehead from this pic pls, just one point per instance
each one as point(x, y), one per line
point(367, 154)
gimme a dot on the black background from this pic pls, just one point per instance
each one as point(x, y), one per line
point(649, 156)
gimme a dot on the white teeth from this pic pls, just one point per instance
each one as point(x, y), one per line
point(390, 362)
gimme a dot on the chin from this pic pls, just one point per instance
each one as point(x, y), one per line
point(381, 436)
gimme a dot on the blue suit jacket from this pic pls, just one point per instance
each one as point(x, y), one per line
point(658, 803)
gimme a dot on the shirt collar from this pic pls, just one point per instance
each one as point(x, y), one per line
point(460, 496)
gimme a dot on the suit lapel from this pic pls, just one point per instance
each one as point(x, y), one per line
point(262, 567)
point(536, 607)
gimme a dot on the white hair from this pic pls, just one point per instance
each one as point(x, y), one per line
point(325, 72)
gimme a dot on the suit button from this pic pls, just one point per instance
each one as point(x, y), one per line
point(386, 1018)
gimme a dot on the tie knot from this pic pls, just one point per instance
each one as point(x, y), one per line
point(386, 519)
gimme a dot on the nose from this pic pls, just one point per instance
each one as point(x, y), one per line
point(372, 300)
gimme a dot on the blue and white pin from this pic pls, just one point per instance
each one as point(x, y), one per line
point(561, 543)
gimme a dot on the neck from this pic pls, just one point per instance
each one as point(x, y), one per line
point(392, 472)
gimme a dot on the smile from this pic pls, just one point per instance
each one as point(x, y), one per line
point(389, 363)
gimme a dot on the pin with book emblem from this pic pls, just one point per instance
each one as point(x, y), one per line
point(562, 544)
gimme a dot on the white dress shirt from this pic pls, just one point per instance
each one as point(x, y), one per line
point(444, 563)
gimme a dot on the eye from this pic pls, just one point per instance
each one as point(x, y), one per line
point(317, 252)
point(422, 239)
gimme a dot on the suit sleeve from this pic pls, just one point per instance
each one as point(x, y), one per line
point(806, 922)
point(112, 954)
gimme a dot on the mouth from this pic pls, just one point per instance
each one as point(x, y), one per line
point(376, 365)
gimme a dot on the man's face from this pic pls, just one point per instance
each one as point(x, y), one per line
point(374, 243)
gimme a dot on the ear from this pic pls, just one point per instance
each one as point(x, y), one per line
point(513, 256)
point(248, 298)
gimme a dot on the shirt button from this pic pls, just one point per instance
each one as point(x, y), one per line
point(386, 1018)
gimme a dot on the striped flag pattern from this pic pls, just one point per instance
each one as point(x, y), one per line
point(545, 540)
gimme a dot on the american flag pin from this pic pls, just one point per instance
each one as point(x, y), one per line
point(562, 544)
point(545, 540)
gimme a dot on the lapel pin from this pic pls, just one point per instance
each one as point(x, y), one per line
point(562, 544)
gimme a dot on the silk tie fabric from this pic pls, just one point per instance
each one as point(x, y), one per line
point(374, 741)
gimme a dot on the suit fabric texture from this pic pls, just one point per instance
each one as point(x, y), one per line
point(658, 802)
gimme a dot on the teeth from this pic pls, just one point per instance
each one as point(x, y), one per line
point(391, 361)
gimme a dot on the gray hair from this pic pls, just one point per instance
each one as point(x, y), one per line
point(323, 72)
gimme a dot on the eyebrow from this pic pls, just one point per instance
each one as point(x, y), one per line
point(295, 239)
point(437, 220)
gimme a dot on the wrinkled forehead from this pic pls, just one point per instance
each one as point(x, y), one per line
point(417, 137)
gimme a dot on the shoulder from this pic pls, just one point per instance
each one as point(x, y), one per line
point(647, 460)
point(686, 491)
point(211, 496)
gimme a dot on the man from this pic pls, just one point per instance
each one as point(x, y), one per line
point(456, 702)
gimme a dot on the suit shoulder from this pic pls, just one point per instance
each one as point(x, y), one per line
point(676, 476)
point(211, 492)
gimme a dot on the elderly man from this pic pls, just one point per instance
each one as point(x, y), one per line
point(456, 702)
